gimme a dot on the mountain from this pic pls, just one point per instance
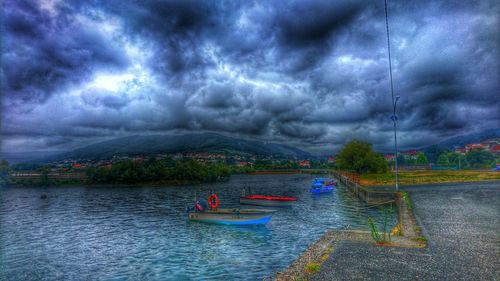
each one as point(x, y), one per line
point(28, 156)
point(156, 144)
point(461, 141)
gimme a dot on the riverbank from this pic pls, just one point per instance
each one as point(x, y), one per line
point(311, 261)
point(428, 177)
point(172, 183)
point(460, 224)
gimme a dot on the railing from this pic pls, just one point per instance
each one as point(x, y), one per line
point(51, 175)
point(352, 181)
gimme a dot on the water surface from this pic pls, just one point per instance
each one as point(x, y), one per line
point(142, 233)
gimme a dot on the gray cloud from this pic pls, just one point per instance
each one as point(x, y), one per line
point(313, 74)
point(43, 54)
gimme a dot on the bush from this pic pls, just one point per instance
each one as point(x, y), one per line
point(359, 156)
point(130, 172)
point(407, 200)
point(4, 173)
point(479, 158)
point(312, 267)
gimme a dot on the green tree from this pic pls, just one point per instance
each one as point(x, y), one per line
point(360, 157)
point(479, 158)
point(443, 159)
point(433, 152)
point(452, 157)
point(401, 159)
point(4, 173)
point(457, 159)
point(461, 162)
point(154, 170)
point(44, 175)
point(421, 158)
point(262, 164)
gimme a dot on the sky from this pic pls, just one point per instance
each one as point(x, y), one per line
point(311, 74)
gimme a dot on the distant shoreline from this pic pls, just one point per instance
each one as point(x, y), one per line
point(371, 181)
point(415, 178)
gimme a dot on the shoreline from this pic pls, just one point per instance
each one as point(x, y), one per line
point(151, 184)
point(320, 250)
point(411, 187)
point(330, 249)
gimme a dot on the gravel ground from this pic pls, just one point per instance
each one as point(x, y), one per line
point(462, 224)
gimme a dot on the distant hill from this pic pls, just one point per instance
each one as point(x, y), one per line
point(433, 151)
point(29, 156)
point(461, 141)
point(155, 144)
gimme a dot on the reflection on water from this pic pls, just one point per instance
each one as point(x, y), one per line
point(103, 233)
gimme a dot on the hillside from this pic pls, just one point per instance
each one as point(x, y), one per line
point(155, 144)
point(461, 141)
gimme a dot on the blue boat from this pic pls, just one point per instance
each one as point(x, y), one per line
point(202, 213)
point(232, 216)
point(321, 185)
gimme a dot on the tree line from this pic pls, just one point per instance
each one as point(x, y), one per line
point(153, 170)
point(359, 156)
point(473, 159)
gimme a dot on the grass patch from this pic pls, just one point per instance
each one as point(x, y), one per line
point(324, 257)
point(419, 239)
point(428, 177)
point(374, 230)
point(312, 267)
point(382, 236)
point(397, 230)
point(407, 200)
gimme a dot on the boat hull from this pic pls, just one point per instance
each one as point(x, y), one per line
point(324, 189)
point(267, 203)
point(232, 216)
point(322, 185)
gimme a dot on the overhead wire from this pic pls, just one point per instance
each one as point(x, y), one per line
point(389, 50)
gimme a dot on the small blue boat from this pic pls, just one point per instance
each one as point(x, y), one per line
point(232, 216)
point(321, 185)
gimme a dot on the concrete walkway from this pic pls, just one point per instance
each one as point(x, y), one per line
point(462, 223)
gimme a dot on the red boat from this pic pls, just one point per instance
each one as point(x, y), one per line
point(271, 201)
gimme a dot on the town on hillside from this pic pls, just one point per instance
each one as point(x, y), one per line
point(452, 159)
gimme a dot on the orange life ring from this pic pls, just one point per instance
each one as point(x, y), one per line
point(213, 201)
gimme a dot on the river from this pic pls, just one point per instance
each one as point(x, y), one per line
point(142, 233)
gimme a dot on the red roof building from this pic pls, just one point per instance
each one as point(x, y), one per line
point(242, 164)
point(411, 152)
point(78, 166)
point(471, 146)
point(495, 149)
point(305, 163)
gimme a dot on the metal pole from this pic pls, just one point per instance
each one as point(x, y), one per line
point(394, 100)
point(396, 148)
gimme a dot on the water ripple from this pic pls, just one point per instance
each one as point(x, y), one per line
point(141, 233)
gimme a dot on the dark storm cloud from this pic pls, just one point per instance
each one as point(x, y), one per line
point(312, 22)
point(310, 73)
point(44, 53)
point(306, 30)
point(175, 28)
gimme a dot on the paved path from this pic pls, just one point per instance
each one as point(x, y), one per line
point(462, 224)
